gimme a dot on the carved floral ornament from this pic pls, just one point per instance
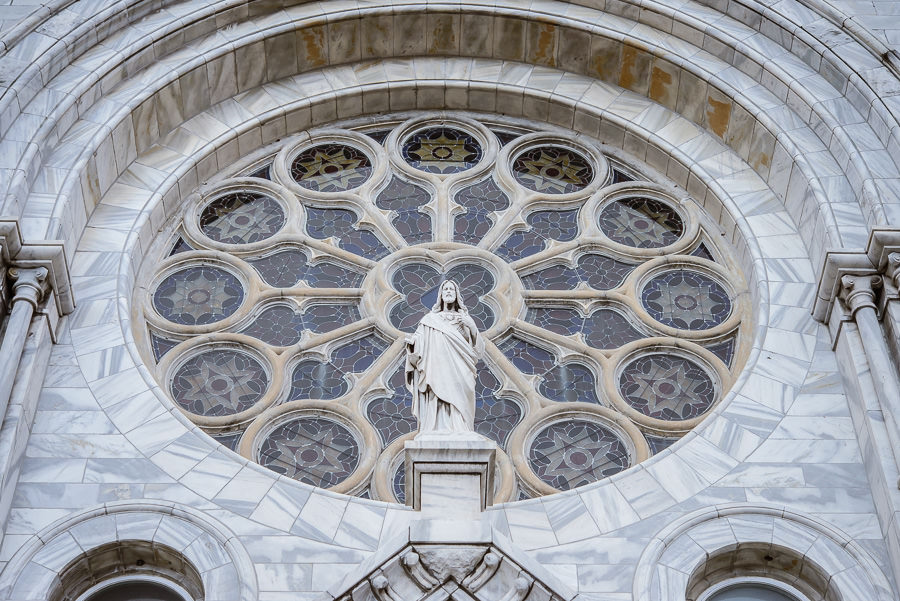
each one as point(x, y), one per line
point(276, 306)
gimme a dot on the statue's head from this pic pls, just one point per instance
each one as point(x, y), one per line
point(449, 298)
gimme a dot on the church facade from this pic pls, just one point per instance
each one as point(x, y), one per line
point(676, 226)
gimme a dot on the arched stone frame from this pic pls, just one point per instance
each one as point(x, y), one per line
point(214, 552)
point(692, 480)
point(826, 562)
point(153, 442)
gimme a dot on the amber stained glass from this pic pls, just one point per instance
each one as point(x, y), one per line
point(552, 170)
point(331, 168)
point(641, 222)
point(442, 150)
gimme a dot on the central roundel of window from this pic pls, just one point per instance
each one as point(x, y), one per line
point(277, 304)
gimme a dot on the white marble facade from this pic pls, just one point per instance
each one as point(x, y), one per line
point(781, 119)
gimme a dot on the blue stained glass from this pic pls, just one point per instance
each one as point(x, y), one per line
point(392, 416)
point(281, 326)
point(659, 443)
point(724, 350)
point(481, 200)
point(161, 345)
point(312, 379)
point(686, 299)
point(287, 268)
point(229, 439)
point(180, 246)
point(596, 271)
point(702, 252)
point(339, 224)
point(619, 176)
point(527, 357)
point(418, 283)
point(602, 329)
point(263, 172)
point(398, 483)
point(495, 417)
point(379, 135)
point(545, 226)
point(405, 199)
point(505, 137)
point(568, 382)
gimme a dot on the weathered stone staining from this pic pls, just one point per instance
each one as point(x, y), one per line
point(307, 174)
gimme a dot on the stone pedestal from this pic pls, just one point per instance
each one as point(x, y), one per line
point(450, 476)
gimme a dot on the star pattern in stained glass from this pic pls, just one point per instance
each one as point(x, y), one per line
point(313, 450)
point(667, 387)
point(572, 453)
point(198, 295)
point(442, 150)
point(641, 222)
point(242, 218)
point(552, 170)
point(331, 168)
point(219, 382)
point(687, 300)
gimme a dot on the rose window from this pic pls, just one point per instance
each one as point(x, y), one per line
point(276, 305)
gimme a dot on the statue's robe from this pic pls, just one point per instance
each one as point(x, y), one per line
point(440, 368)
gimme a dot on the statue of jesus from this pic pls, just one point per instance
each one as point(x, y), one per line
point(440, 364)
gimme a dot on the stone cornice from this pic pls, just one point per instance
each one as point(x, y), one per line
point(49, 254)
point(875, 260)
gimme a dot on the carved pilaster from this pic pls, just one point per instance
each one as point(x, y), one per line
point(858, 291)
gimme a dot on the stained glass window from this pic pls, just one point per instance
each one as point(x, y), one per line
point(336, 257)
point(572, 453)
point(241, 218)
point(442, 150)
point(198, 295)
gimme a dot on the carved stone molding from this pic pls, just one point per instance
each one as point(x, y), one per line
point(880, 257)
point(29, 285)
point(858, 291)
point(49, 255)
point(480, 565)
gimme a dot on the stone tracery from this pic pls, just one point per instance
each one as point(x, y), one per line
point(338, 246)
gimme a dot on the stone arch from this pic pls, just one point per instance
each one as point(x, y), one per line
point(709, 545)
point(69, 556)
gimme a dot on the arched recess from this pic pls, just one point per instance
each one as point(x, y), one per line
point(707, 546)
point(770, 115)
point(725, 179)
point(170, 540)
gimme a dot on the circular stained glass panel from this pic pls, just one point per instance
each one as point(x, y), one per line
point(314, 450)
point(686, 300)
point(442, 150)
point(198, 295)
point(241, 218)
point(667, 387)
point(331, 168)
point(572, 453)
point(641, 223)
point(553, 170)
point(219, 382)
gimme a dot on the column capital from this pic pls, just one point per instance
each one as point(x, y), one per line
point(29, 284)
point(893, 268)
point(858, 291)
